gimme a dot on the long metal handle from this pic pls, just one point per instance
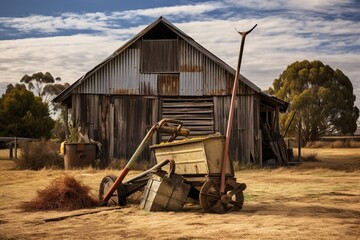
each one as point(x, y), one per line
point(138, 151)
point(231, 112)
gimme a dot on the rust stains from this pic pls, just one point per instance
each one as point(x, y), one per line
point(121, 91)
point(190, 68)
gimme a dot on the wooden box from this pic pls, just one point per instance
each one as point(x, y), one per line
point(165, 194)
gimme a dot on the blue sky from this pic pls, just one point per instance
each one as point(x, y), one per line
point(69, 37)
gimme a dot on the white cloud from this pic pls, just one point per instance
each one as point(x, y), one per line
point(277, 41)
point(66, 57)
point(178, 11)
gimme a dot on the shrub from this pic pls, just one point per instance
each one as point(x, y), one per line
point(36, 155)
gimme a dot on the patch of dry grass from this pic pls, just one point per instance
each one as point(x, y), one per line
point(63, 193)
point(316, 200)
point(333, 144)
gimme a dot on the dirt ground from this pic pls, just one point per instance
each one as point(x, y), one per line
point(317, 200)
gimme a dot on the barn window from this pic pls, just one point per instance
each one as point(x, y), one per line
point(159, 56)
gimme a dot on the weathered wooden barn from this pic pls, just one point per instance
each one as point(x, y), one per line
point(164, 73)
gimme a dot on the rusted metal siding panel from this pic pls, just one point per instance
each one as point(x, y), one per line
point(191, 70)
point(126, 80)
point(218, 81)
point(168, 84)
point(148, 84)
point(191, 59)
point(118, 76)
point(191, 83)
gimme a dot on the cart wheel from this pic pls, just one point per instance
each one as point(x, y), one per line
point(210, 197)
point(119, 196)
point(212, 200)
point(234, 198)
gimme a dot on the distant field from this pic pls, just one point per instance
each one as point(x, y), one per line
point(317, 200)
point(4, 154)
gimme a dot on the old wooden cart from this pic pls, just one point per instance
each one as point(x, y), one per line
point(199, 161)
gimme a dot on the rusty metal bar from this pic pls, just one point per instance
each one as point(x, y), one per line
point(231, 112)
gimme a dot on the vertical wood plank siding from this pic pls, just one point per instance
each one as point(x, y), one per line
point(244, 140)
point(160, 56)
point(134, 116)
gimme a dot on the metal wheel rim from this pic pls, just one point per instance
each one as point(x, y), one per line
point(210, 197)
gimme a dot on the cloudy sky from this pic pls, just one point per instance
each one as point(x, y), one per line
point(69, 37)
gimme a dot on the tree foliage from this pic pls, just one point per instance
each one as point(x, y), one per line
point(24, 115)
point(323, 97)
point(44, 85)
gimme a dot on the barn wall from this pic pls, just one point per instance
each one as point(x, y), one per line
point(244, 140)
point(92, 113)
point(248, 125)
point(118, 102)
point(133, 117)
point(119, 123)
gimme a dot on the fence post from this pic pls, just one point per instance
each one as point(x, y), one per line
point(15, 148)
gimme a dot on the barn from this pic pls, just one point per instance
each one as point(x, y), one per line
point(163, 73)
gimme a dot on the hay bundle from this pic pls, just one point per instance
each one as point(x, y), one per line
point(63, 193)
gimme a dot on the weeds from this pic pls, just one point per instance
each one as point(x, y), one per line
point(37, 155)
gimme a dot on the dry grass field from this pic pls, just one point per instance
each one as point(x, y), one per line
point(317, 200)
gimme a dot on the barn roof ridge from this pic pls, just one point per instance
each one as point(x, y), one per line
point(64, 94)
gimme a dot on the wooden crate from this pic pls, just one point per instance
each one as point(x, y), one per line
point(165, 194)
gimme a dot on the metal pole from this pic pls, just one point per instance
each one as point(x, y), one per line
point(299, 140)
point(231, 112)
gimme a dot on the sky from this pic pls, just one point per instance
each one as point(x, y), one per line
point(69, 37)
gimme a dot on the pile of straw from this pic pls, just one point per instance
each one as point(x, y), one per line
point(63, 193)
